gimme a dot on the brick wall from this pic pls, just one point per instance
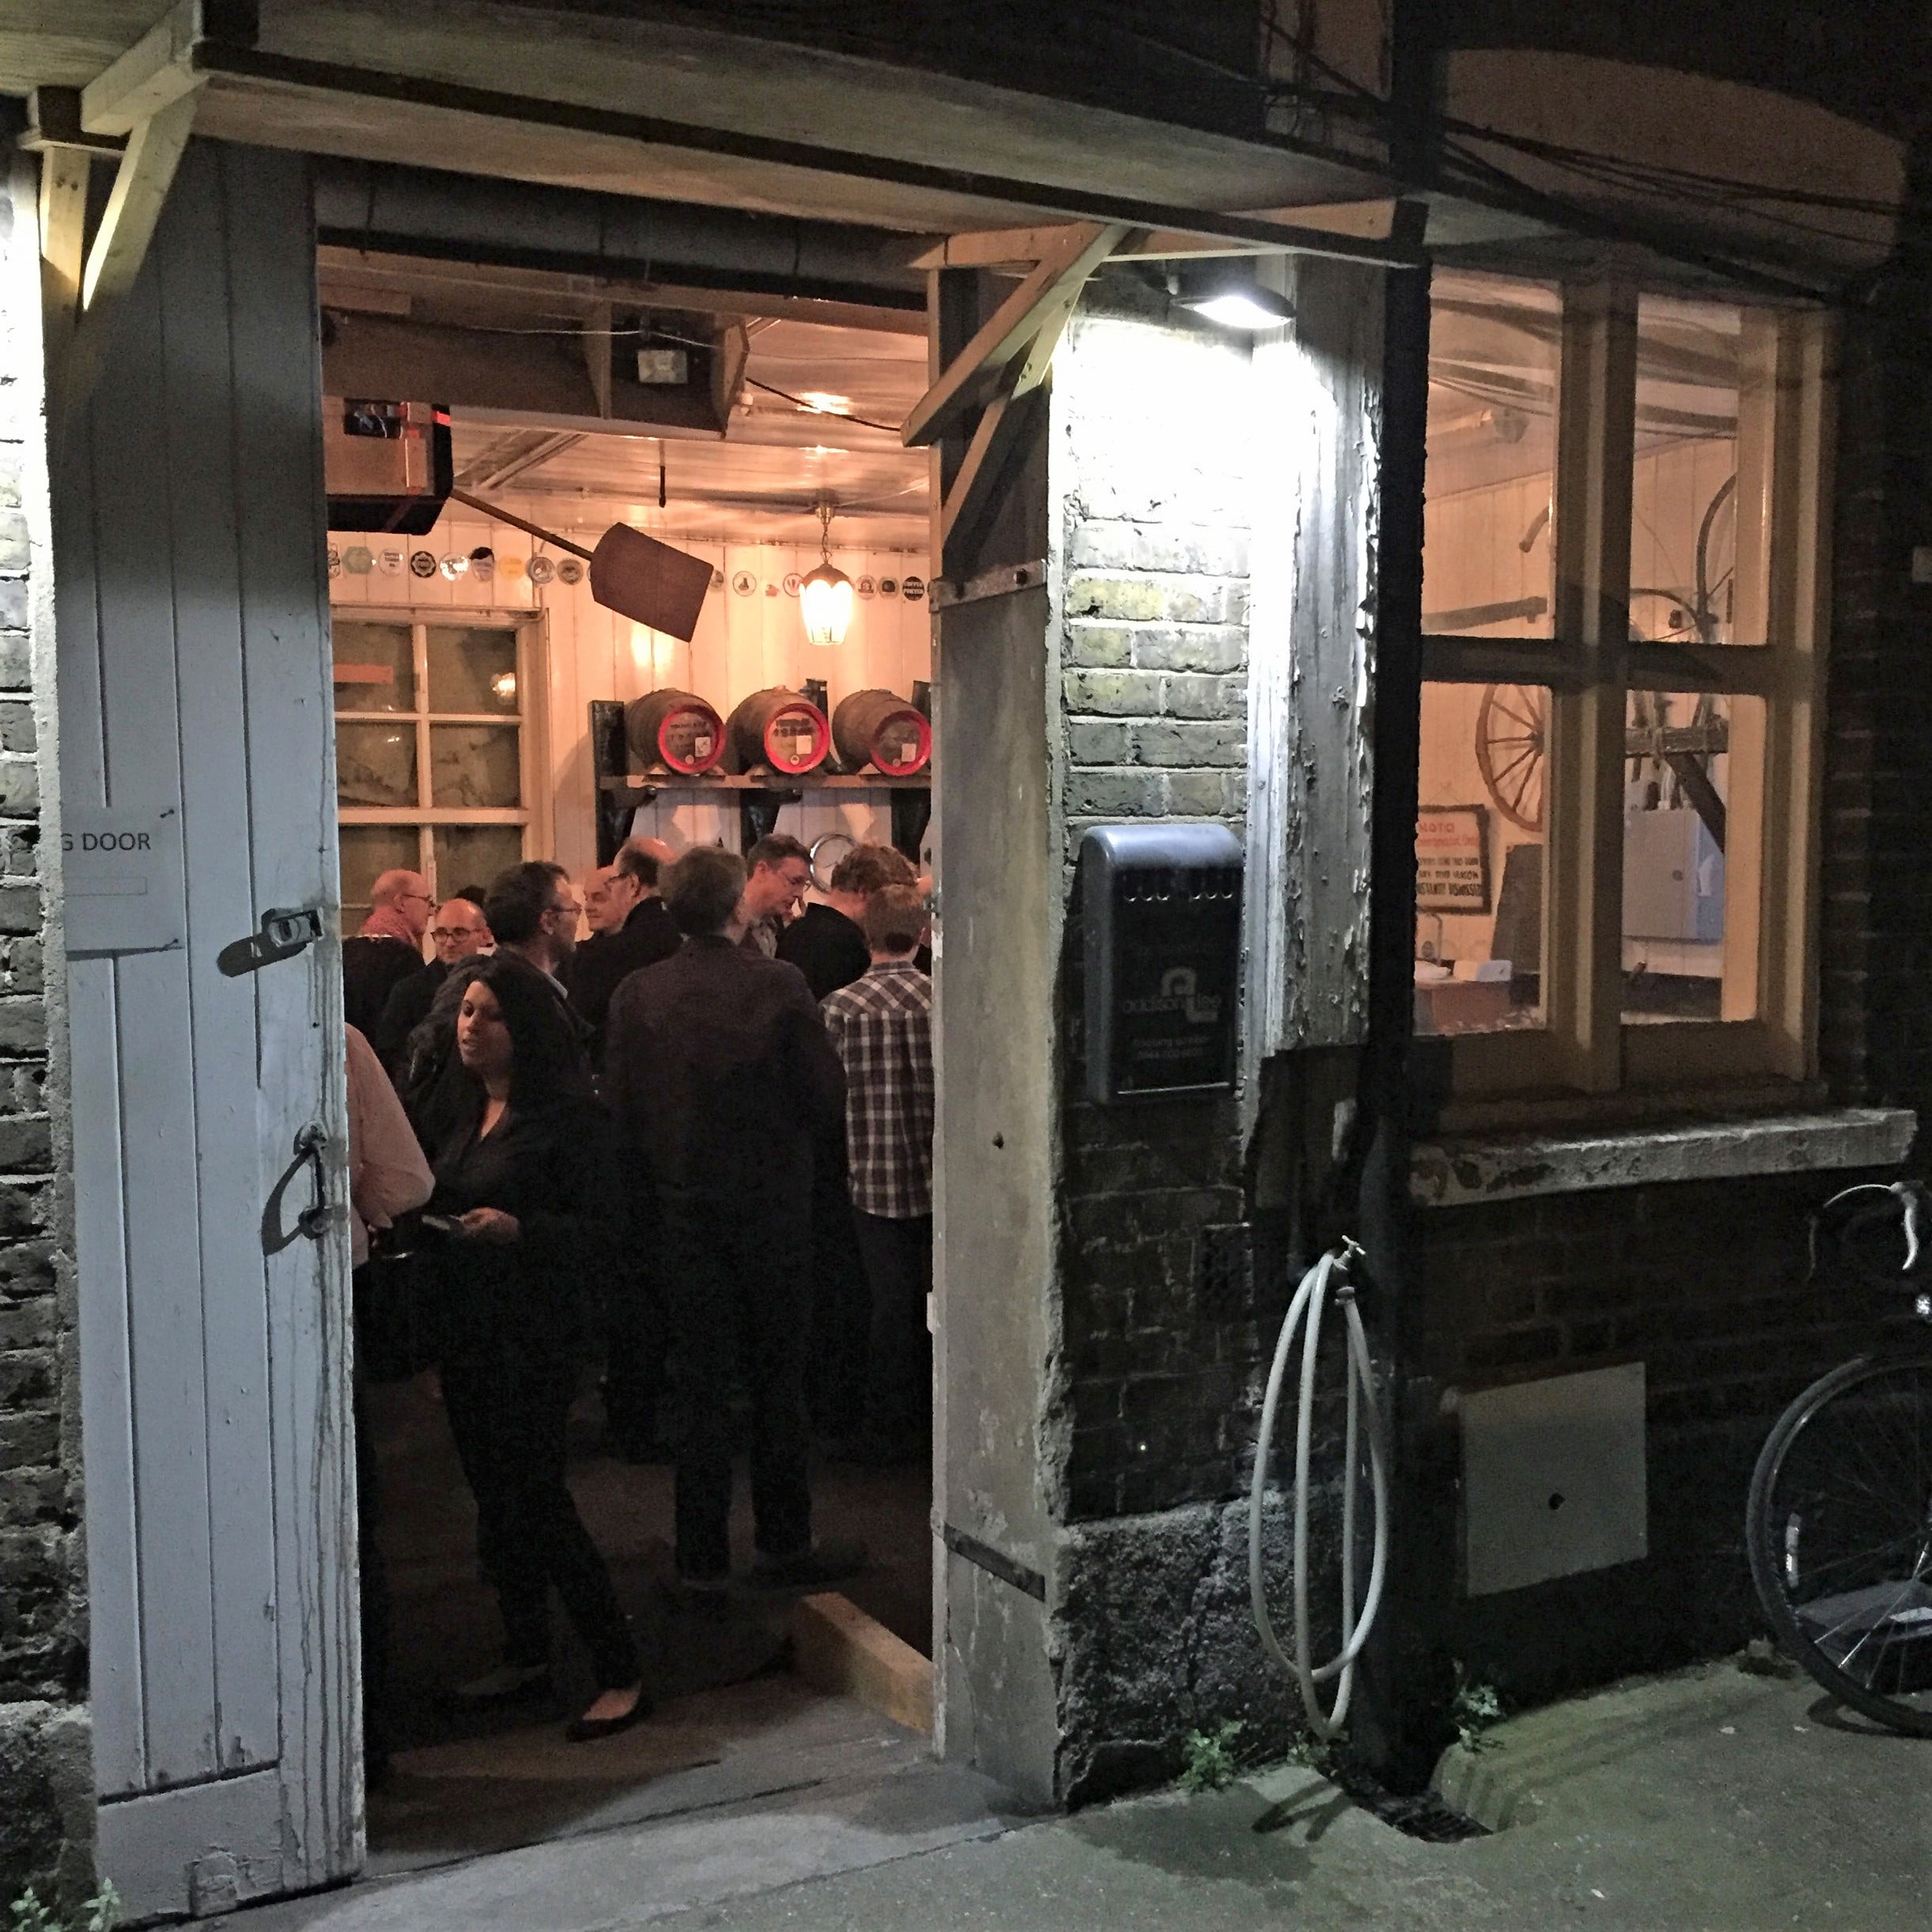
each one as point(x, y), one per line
point(46, 1778)
point(1157, 1385)
point(1149, 473)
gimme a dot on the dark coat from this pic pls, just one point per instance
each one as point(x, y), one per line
point(371, 968)
point(827, 947)
point(552, 1170)
point(405, 1009)
point(604, 959)
point(719, 1072)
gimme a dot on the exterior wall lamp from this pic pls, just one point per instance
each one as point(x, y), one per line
point(1245, 305)
point(825, 594)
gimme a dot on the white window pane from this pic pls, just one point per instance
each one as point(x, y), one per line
point(375, 764)
point(1690, 886)
point(1479, 856)
point(473, 765)
point(1494, 347)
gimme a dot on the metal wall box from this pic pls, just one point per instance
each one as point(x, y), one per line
point(1554, 1480)
point(1161, 908)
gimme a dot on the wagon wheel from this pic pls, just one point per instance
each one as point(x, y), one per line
point(1512, 751)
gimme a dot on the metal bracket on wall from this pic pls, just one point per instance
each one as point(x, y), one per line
point(1002, 582)
point(995, 1563)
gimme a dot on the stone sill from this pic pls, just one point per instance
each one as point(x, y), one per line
point(1461, 1171)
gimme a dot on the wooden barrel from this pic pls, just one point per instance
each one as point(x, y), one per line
point(881, 729)
point(779, 731)
point(673, 731)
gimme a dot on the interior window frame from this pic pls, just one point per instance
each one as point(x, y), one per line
point(531, 816)
point(1586, 1046)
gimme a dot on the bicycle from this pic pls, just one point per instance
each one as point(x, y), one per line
point(1839, 1526)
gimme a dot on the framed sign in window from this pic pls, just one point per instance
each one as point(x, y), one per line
point(1452, 858)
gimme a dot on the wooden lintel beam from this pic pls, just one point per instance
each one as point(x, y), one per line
point(1071, 257)
point(1018, 248)
point(53, 122)
point(154, 73)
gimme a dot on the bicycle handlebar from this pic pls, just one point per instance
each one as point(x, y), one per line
point(1905, 1198)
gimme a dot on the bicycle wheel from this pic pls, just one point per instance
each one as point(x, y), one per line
point(1839, 1528)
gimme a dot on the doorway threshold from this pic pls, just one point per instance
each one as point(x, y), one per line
point(740, 1790)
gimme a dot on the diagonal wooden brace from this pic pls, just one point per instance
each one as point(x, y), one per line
point(1042, 302)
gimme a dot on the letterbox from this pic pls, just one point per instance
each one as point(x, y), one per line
point(1161, 905)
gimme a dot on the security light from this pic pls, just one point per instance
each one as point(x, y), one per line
point(1241, 305)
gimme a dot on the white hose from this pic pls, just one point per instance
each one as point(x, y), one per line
point(1309, 1302)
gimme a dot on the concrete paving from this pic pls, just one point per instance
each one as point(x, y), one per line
point(1711, 1799)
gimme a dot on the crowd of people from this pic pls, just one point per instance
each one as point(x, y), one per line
point(696, 1144)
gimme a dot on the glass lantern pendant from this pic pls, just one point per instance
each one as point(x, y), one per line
point(825, 594)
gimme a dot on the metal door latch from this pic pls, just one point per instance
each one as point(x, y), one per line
point(312, 1144)
point(285, 932)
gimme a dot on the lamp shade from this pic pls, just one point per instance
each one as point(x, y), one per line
point(825, 601)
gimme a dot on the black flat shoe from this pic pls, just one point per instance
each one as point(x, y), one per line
point(587, 1731)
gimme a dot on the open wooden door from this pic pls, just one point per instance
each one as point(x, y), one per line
point(198, 798)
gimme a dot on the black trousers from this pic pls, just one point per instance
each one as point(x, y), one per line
point(898, 1373)
point(739, 1302)
point(634, 1359)
point(508, 1409)
point(841, 1301)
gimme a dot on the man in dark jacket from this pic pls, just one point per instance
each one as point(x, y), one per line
point(629, 929)
point(387, 948)
point(458, 932)
point(718, 1067)
point(826, 942)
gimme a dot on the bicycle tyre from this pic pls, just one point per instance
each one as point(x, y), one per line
point(1843, 1481)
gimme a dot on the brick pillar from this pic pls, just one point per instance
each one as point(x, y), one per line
point(47, 1799)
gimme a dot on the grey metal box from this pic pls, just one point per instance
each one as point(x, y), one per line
point(1554, 1478)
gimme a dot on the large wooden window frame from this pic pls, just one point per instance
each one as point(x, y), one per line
point(1588, 667)
point(530, 719)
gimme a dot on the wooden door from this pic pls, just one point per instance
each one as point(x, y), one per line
point(198, 796)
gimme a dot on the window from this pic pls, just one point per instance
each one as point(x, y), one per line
point(432, 755)
point(1623, 605)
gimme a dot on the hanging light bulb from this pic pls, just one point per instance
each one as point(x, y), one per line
point(825, 594)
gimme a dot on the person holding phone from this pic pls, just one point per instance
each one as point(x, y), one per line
point(522, 1174)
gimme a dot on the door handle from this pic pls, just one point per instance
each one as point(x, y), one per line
point(315, 1221)
point(284, 933)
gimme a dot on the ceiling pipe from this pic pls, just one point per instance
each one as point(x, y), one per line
point(377, 205)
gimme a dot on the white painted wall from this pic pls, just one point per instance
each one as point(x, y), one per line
point(744, 644)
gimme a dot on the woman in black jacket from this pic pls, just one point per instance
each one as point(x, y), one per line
point(522, 1184)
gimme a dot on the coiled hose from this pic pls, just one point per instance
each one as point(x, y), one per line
point(1308, 1307)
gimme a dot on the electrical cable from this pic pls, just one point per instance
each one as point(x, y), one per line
point(1308, 1307)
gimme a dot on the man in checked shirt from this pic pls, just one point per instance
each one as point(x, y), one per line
point(882, 1027)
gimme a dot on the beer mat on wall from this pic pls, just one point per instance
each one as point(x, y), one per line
point(421, 564)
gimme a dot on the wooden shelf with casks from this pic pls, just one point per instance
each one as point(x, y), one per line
point(760, 795)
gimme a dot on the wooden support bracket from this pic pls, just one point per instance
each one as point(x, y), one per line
point(1039, 305)
point(1000, 371)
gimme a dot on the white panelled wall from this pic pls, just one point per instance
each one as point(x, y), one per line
point(744, 643)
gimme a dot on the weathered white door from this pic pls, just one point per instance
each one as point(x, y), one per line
point(198, 789)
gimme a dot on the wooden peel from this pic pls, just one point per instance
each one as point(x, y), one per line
point(648, 582)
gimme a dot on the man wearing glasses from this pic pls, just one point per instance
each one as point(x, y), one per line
point(460, 933)
point(388, 948)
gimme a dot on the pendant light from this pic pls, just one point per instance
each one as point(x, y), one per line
point(825, 594)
